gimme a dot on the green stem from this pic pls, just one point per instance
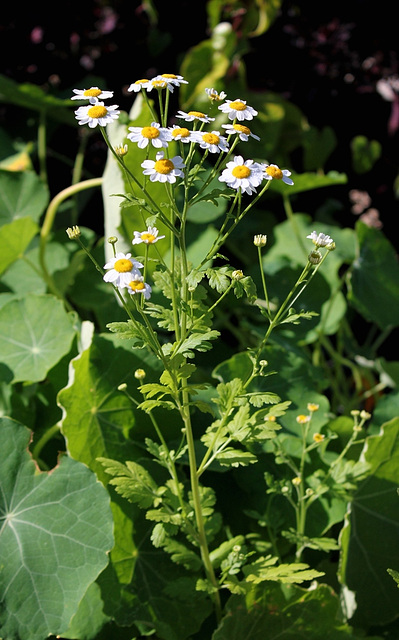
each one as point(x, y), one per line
point(41, 146)
point(48, 225)
point(195, 490)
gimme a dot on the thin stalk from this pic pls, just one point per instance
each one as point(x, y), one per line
point(195, 490)
point(48, 225)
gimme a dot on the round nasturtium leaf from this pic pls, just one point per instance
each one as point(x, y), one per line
point(56, 532)
point(35, 333)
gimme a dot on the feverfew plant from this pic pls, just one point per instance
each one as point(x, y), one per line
point(178, 324)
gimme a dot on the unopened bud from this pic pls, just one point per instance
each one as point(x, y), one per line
point(73, 232)
point(121, 150)
point(237, 275)
point(260, 240)
point(314, 257)
point(139, 374)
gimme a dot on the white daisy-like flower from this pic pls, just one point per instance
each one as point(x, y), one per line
point(240, 130)
point(164, 169)
point(181, 134)
point(245, 175)
point(194, 115)
point(157, 83)
point(137, 285)
point(238, 109)
point(214, 95)
point(97, 114)
point(273, 172)
point(92, 95)
point(138, 85)
point(122, 269)
point(171, 80)
point(155, 134)
point(148, 237)
point(213, 142)
point(320, 239)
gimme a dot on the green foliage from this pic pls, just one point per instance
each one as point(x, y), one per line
point(53, 546)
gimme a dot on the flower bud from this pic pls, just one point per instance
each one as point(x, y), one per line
point(260, 240)
point(73, 232)
point(237, 275)
point(139, 374)
point(315, 257)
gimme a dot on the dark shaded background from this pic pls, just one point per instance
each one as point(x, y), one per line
point(325, 57)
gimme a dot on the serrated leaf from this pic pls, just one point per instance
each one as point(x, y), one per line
point(131, 481)
point(265, 569)
point(235, 458)
point(56, 532)
point(219, 278)
point(198, 342)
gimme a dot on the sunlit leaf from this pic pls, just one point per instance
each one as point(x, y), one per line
point(56, 532)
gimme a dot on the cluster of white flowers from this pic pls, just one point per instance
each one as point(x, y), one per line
point(124, 271)
point(239, 174)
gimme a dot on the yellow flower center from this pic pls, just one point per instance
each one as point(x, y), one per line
point(238, 105)
point(148, 237)
point(123, 265)
point(211, 138)
point(242, 129)
point(164, 166)
point(159, 84)
point(150, 132)
point(137, 285)
point(241, 171)
point(302, 419)
point(274, 172)
point(92, 93)
point(143, 81)
point(196, 114)
point(169, 75)
point(183, 132)
point(97, 111)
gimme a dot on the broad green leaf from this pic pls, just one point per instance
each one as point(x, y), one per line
point(271, 612)
point(32, 97)
point(56, 533)
point(98, 419)
point(309, 181)
point(35, 333)
point(22, 194)
point(89, 618)
point(369, 540)
point(15, 237)
point(374, 278)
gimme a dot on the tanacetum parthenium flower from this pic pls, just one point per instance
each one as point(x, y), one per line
point(273, 172)
point(214, 95)
point(238, 110)
point(171, 80)
point(138, 85)
point(212, 142)
point(241, 130)
point(320, 239)
point(93, 95)
point(148, 237)
point(194, 115)
point(163, 169)
point(122, 269)
point(181, 134)
point(155, 134)
point(245, 175)
point(137, 285)
point(97, 114)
